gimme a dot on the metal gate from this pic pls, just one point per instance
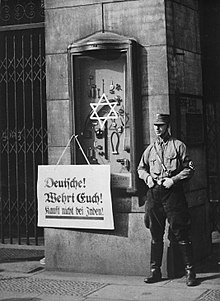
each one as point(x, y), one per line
point(22, 118)
point(212, 150)
point(212, 127)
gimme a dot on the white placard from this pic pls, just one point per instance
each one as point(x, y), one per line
point(74, 196)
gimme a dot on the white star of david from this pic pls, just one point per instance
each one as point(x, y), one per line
point(111, 114)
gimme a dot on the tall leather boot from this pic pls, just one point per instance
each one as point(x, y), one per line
point(155, 263)
point(187, 253)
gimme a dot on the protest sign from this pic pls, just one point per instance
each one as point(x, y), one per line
point(74, 196)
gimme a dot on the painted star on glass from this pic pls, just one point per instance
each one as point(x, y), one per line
point(103, 110)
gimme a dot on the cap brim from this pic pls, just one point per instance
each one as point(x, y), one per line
point(159, 123)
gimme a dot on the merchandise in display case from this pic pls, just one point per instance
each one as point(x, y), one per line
point(103, 95)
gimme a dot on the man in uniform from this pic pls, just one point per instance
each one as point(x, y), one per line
point(164, 166)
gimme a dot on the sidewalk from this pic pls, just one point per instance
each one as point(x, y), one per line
point(30, 281)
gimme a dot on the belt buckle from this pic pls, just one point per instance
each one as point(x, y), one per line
point(159, 182)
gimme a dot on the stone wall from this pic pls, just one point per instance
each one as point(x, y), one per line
point(67, 22)
point(185, 75)
point(126, 250)
point(185, 78)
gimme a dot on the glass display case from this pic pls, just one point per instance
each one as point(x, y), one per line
point(102, 73)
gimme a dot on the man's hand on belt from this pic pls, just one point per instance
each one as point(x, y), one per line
point(150, 182)
point(168, 182)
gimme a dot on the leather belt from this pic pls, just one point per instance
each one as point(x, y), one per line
point(159, 182)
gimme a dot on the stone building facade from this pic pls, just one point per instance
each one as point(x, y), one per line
point(169, 37)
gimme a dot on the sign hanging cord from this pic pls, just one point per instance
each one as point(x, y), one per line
point(80, 147)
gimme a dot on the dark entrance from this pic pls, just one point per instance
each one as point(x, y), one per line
point(22, 118)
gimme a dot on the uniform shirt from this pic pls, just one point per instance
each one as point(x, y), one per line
point(172, 154)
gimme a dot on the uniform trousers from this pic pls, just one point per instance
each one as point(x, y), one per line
point(170, 204)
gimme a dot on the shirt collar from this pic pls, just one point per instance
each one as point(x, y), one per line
point(163, 139)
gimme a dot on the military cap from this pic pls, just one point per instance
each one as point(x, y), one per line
point(162, 119)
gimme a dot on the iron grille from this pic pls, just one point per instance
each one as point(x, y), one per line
point(212, 150)
point(23, 131)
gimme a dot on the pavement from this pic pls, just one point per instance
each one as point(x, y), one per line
point(23, 278)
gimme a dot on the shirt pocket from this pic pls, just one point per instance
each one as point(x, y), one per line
point(154, 166)
point(171, 161)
